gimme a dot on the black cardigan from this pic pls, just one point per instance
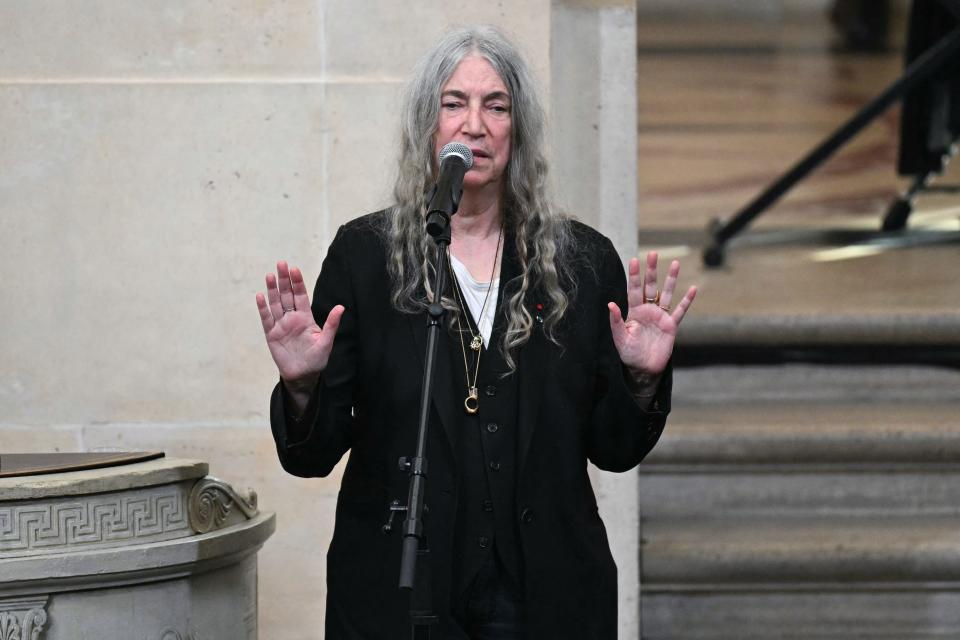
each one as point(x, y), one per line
point(574, 405)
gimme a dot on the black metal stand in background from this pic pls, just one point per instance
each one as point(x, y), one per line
point(934, 60)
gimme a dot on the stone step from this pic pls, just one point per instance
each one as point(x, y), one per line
point(804, 434)
point(708, 553)
point(799, 519)
point(811, 492)
point(820, 614)
point(796, 459)
point(881, 327)
point(909, 385)
point(814, 578)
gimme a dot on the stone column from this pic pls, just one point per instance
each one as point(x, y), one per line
point(594, 123)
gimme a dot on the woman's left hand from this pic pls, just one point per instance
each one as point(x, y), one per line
point(645, 339)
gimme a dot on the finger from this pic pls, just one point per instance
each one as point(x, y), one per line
point(332, 323)
point(301, 299)
point(266, 318)
point(286, 287)
point(650, 277)
point(669, 285)
point(681, 309)
point(273, 296)
point(634, 284)
point(617, 327)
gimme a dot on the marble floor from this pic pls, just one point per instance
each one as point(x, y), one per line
point(726, 106)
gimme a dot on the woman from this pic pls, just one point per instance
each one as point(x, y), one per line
point(537, 372)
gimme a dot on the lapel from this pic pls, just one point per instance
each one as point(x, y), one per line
point(533, 358)
point(536, 357)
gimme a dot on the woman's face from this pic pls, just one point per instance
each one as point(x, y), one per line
point(475, 109)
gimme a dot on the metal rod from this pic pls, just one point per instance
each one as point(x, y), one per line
point(920, 70)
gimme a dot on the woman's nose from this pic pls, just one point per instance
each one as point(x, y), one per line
point(472, 122)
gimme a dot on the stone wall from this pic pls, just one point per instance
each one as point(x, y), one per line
point(156, 159)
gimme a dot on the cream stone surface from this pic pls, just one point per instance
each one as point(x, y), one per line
point(391, 40)
point(361, 160)
point(159, 158)
point(593, 109)
point(147, 215)
point(116, 478)
point(39, 439)
point(67, 39)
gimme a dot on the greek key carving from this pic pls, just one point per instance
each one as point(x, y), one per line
point(96, 519)
point(214, 504)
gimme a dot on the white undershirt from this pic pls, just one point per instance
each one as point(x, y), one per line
point(473, 295)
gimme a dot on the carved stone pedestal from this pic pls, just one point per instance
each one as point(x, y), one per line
point(154, 550)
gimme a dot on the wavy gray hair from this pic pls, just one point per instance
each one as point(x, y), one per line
point(541, 233)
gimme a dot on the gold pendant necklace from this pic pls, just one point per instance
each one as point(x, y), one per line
point(472, 401)
point(471, 404)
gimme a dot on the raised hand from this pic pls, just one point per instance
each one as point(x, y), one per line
point(299, 347)
point(645, 339)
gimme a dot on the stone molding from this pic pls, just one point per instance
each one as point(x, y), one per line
point(214, 504)
point(163, 471)
point(149, 513)
point(22, 618)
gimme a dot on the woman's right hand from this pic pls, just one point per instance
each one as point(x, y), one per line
point(299, 347)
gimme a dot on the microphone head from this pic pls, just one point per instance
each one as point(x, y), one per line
point(458, 149)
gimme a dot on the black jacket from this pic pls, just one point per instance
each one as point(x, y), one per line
point(573, 405)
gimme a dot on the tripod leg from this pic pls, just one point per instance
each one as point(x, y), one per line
point(932, 61)
point(714, 255)
point(897, 214)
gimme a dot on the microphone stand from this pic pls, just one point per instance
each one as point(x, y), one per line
point(415, 569)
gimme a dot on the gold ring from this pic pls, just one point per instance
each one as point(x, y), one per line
point(654, 300)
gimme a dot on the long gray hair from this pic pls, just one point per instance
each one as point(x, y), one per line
point(541, 234)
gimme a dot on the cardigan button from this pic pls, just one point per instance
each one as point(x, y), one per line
point(495, 465)
point(526, 516)
point(491, 390)
point(483, 542)
point(488, 505)
point(492, 427)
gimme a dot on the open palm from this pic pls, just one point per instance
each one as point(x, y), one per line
point(300, 348)
point(645, 339)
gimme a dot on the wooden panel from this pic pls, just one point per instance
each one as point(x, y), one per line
point(32, 464)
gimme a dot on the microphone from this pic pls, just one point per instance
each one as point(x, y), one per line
point(455, 160)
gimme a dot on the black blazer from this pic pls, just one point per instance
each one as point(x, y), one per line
point(574, 405)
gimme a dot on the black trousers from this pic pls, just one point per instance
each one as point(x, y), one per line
point(492, 607)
